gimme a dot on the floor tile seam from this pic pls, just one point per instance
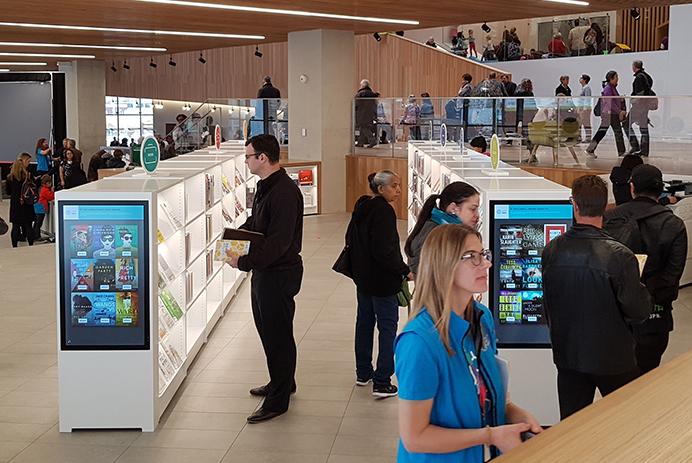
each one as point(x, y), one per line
point(314, 319)
point(341, 423)
point(35, 441)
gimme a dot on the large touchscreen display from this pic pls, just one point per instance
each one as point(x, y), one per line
point(104, 300)
point(520, 231)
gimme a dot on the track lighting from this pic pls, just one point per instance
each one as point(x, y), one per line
point(377, 36)
point(125, 65)
point(486, 28)
point(113, 68)
point(152, 63)
point(171, 62)
point(257, 52)
point(201, 58)
point(635, 13)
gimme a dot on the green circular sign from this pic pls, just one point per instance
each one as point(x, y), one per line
point(150, 154)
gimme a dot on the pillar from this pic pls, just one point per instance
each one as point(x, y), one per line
point(85, 101)
point(321, 65)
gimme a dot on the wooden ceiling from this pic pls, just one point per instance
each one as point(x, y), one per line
point(133, 14)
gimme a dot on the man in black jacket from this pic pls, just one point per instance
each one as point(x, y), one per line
point(639, 111)
point(592, 296)
point(366, 115)
point(277, 271)
point(267, 90)
point(663, 238)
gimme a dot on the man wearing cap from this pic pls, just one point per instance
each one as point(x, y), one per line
point(663, 238)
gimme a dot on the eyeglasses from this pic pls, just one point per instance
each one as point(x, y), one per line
point(108, 239)
point(127, 238)
point(247, 156)
point(476, 257)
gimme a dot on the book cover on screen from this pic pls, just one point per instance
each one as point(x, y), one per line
point(104, 275)
point(81, 241)
point(126, 309)
point(126, 274)
point(82, 272)
point(509, 308)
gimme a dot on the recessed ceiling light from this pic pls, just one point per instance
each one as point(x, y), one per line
point(255, 9)
point(65, 45)
point(132, 31)
point(21, 63)
point(4, 70)
point(570, 2)
point(47, 55)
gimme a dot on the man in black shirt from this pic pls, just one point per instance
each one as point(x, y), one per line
point(592, 297)
point(277, 271)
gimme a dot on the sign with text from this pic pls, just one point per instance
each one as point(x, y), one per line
point(151, 154)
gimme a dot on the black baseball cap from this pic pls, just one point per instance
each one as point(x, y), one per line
point(647, 178)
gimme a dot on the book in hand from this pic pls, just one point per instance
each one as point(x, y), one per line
point(236, 243)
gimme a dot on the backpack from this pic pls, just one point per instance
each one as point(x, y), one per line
point(597, 108)
point(28, 195)
point(650, 103)
point(625, 228)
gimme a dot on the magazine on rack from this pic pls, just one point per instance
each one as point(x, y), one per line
point(177, 224)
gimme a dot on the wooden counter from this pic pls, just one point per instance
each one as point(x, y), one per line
point(649, 420)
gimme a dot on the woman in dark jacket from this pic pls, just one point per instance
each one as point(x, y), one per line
point(378, 271)
point(22, 214)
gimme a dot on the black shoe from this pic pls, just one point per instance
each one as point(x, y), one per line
point(362, 381)
point(263, 391)
point(263, 415)
point(635, 151)
point(383, 391)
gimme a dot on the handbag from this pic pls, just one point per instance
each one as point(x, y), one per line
point(343, 262)
point(404, 295)
point(3, 227)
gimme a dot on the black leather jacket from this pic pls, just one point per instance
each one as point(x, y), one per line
point(592, 296)
point(665, 238)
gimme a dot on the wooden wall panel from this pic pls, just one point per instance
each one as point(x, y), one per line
point(359, 167)
point(398, 67)
point(646, 33)
point(563, 176)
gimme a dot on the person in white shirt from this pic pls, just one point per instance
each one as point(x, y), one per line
point(575, 39)
point(585, 105)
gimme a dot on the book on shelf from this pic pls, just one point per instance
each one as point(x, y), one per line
point(172, 354)
point(188, 246)
point(249, 197)
point(177, 224)
point(189, 286)
point(225, 185)
point(226, 216)
point(210, 263)
point(165, 270)
point(295, 177)
point(239, 209)
point(210, 226)
point(308, 198)
point(170, 303)
point(162, 381)
point(209, 190)
point(236, 242)
point(159, 236)
point(166, 366)
point(305, 177)
point(166, 320)
point(238, 178)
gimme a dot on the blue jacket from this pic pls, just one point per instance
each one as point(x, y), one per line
point(425, 367)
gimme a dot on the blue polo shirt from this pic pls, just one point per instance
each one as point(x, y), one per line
point(426, 371)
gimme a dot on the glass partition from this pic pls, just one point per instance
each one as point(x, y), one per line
point(590, 132)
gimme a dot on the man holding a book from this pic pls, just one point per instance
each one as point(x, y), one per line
point(275, 233)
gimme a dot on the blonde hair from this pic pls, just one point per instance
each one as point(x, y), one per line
point(439, 258)
point(18, 171)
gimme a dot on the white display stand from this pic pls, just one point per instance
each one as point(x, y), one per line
point(190, 203)
point(533, 378)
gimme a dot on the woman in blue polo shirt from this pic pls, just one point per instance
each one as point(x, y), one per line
point(452, 396)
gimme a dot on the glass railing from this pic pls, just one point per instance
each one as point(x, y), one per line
point(538, 131)
point(239, 119)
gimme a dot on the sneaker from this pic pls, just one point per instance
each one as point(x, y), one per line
point(591, 154)
point(362, 381)
point(383, 391)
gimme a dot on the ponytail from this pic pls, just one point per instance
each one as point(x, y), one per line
point(423, 216)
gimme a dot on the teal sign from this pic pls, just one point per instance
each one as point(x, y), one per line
point(150, 154)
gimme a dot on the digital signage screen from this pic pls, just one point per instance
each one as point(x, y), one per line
point(520, 230)
point(103, 275)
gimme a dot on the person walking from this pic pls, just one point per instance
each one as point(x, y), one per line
point(411, 118)
point(277, 271)
point(23, 194)
point(267, 90)
point(366, 115)
point(563, 89)
point(585, 105)
point(612, 114)
point(639, 111)
point(452, 387)
point(662, 236)
point(592, 299)
point(378, 271)
point(458, 203)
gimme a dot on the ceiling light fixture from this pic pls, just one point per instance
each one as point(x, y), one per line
point(634, 12)
point(570, 2)
point(125, 65)
point(171, 62)
point(377, 36)
point(158, 104)
point(152, 63)
point(254, 9)
point(4, 70)
point(257, 52)
point(131, 31)
point(486, 28)
point(21, 63)
point(65, 45)
point(201, 58)
point(47, 55)
point(113, 68)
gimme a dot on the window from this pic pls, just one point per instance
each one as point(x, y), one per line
point(129, 118)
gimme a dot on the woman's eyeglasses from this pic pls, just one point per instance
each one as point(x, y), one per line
point(476, 257)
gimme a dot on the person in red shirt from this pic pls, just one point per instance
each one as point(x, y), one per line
point(41, 207)
point(557, 46)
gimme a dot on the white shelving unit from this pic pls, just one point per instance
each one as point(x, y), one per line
point(190, 202)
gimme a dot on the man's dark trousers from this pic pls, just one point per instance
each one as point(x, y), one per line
point(576, 390)
point(273, 309)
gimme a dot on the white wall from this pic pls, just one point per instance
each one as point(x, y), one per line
point(25, 117)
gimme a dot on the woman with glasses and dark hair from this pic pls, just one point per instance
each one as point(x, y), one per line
point(451, 388)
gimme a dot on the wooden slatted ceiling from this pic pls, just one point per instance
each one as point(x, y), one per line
point(135, 14)
point(641, 35)
point(396, 67)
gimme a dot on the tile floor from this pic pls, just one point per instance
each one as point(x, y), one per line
point(330, 419)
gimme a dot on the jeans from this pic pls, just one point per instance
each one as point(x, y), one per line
point(22, 229)
point(37, 225)
point(640, 117)
point(612, 121)
point(575, 390)
point(383, 311)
